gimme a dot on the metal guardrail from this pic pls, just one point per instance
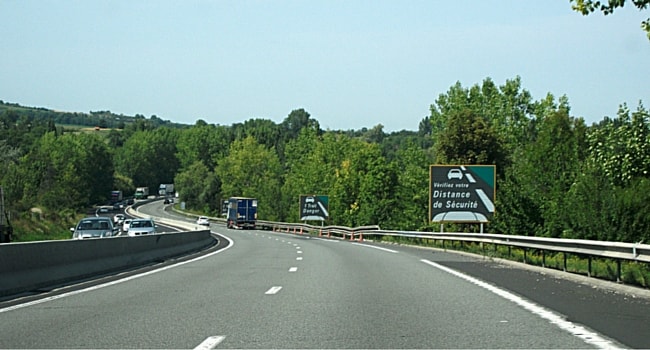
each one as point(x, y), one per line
point(337, 231)
point(617, 251)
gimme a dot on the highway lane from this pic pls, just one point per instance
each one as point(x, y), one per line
point(621, 312)
point(273, 290)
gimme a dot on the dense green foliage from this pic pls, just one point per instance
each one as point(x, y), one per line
point(556, 176)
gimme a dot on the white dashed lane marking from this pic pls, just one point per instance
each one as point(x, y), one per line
point(273, 290)
point(210, 343)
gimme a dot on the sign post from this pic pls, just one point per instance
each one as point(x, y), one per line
point(461, 193)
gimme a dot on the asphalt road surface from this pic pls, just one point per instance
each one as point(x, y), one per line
point(277, 290)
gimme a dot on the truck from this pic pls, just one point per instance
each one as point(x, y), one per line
point(116, 197)
point(242, 212)
point(141, 193)
point(166, 190)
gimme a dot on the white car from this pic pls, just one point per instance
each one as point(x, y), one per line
point(203, 220)
point(125, 225)
point(140, 227)
point(118, 219)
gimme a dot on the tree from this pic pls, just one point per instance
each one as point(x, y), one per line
point(8, 155)
point(68, 171)
point(362, 191)
point(149, 157)
point(609, 198)
point(308, 171)
point(548, 167)
point(506, 109)
point(265, 131)
point(409, 210)
point(621, 147)
point(252, 170)
point(587, 7)
point(375, 135)
point(468, 139)
point(203, 142)
point(296, 121)
point(190, 184)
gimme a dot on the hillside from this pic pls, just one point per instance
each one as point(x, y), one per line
point(102, 119)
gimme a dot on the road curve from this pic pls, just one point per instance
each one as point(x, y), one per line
point(274, 290)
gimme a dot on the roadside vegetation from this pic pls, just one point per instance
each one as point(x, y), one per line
point(556, 176)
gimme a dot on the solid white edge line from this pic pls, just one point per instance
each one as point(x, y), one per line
point(210, 343)
point(587, 336)
point(380, 248)
point(121, 280)
point(326, 240)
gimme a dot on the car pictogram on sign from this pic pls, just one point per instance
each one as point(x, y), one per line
point(455, 174)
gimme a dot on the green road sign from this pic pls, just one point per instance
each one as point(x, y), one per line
point(313, 207)
point(461, 193)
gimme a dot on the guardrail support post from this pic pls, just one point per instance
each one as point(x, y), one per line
point(564, 264)
point(589, 266)
point(360, 237)
point(619, 278)
point(525, 256)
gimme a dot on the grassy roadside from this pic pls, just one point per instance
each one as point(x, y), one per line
point(29, 227)
point(40, 230)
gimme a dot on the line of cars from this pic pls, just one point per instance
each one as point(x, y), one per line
point(103, 226)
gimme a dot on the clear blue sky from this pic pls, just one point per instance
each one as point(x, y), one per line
point(350, 63)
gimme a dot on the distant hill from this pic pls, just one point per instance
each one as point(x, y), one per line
point(103, 119)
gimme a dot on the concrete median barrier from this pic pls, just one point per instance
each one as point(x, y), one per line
point(31, 266)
